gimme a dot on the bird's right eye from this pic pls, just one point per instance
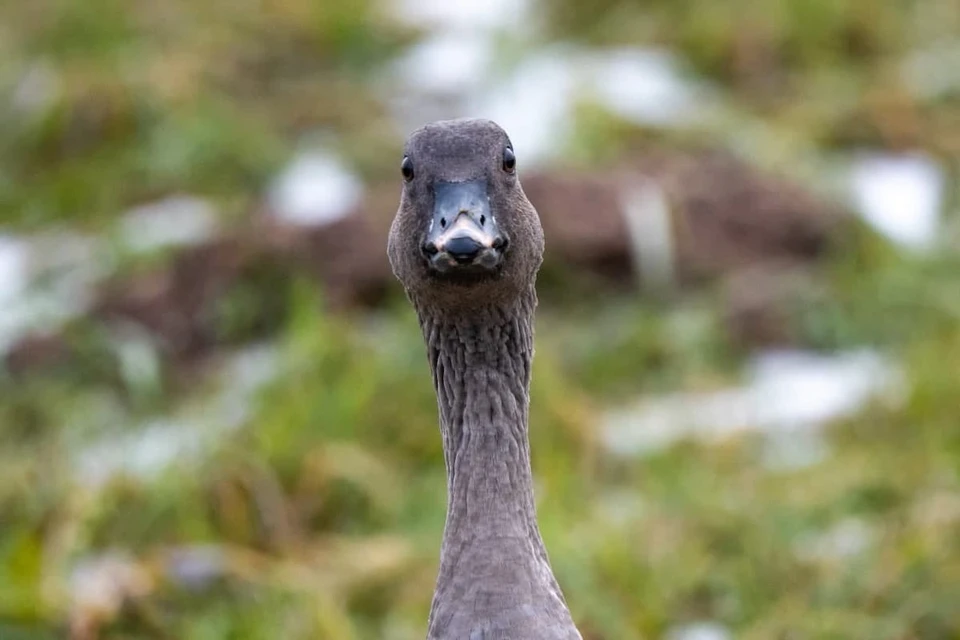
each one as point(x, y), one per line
point(406, 168)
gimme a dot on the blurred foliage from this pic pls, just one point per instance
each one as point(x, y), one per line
point(116, 102)
point(320, 515)
point(837, 72)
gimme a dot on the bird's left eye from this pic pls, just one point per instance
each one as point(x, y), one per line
point(509, 160)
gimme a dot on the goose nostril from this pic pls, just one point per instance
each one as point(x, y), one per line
point(483, 220)
point(443, 223)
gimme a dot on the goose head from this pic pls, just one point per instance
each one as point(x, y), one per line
point(464, 233)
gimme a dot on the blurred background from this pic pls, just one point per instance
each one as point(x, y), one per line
point(216, 417)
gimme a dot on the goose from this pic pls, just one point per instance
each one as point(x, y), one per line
point(466, 244)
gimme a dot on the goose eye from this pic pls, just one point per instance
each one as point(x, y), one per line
point(406, 168)
point(509, 160)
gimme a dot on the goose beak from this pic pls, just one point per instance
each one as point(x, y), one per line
point(463, 233)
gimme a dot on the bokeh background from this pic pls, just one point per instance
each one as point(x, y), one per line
point(216, 419)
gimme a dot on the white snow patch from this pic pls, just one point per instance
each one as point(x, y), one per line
point(644, 85)
point(46, 280)
point(847, 538)
point(901, 196)
point(315, 189)
point(705, 630)
point(14, 254)
point(462, 15)
point(172, 222)
point(786, 392)
point(446, 63)
point(534, 105)
point(453, 75)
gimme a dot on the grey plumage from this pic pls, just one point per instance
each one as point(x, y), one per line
point(495, 579)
